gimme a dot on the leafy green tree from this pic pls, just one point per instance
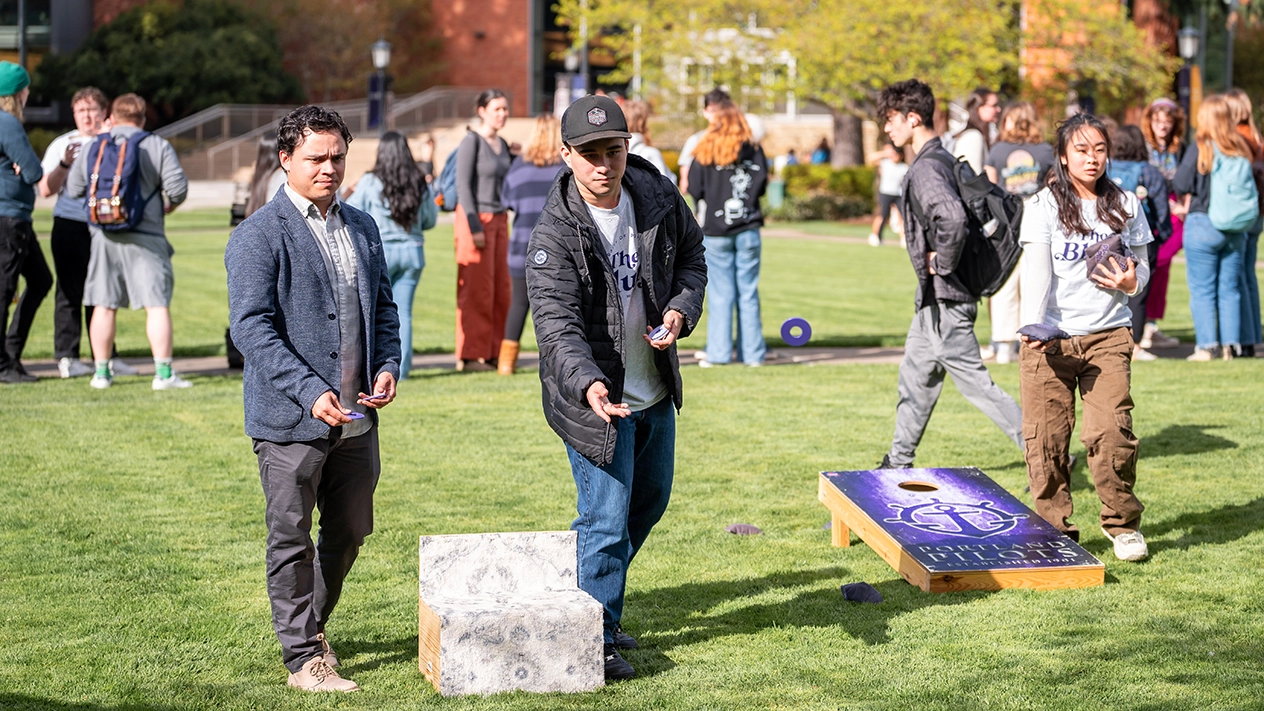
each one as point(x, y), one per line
point(1094, 48)
point(847, 50)
point(181, 58)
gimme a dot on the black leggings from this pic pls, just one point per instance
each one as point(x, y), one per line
point(1137, 304)
point(518, 308)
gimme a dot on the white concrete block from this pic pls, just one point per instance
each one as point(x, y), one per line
point(502, 612)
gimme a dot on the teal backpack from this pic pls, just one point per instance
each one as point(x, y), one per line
point(1235, 202)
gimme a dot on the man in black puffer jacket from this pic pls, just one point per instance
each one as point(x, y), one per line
point(616, 254)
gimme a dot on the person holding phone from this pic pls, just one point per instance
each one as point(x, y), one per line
point(311, 310)
point(1085, 252)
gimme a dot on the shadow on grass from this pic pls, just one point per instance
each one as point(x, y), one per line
point(1184, 439)
point(20, 702)
point(682, 615)
point(385, 652)
point(1223, 525)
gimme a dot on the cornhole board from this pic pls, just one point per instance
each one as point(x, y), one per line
point(954, 529)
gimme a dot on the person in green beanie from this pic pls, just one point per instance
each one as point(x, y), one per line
point(20, 253)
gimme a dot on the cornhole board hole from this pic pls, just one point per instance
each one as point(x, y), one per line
point(954, 529)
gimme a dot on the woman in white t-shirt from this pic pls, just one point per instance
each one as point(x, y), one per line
point(1080, 208)
point(973, 141)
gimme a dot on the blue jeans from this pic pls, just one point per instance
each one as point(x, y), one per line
point(404, 262)
point(1213, 267)
point(620, 502)
point(1251, 329)
point(733, 282)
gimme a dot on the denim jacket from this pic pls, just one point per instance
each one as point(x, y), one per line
point(368, 198)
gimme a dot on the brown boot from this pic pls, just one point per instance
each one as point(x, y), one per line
point(317, 675)
point(508, 359)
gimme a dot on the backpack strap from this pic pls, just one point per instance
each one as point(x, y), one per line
point(92, 184)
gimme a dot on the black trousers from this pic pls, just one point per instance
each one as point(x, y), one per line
point(72, 249)
point(518, 308)
point(337, 477)
point(20, 256)
point(1137, 304)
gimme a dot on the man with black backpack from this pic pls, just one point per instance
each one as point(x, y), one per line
point(124, 174)
point(957, 257)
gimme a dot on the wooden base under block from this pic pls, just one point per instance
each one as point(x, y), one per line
point(428, 625)
point(847, 516)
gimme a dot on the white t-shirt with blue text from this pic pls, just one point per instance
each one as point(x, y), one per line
point(643, 387)
point(1076, 304)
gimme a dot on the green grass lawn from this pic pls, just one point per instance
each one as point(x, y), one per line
point(852, 294)
point(132, 532)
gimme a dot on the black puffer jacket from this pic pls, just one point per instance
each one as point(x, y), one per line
point(575, 302)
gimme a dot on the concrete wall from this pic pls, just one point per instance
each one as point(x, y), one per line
point(486, 43)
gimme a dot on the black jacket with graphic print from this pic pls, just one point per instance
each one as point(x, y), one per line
point(577, 309)
point(731, 192)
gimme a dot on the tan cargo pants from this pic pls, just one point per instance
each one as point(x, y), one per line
point(1099, 364)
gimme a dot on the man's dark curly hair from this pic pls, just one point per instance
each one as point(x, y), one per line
point(308, 119)
point(907, 97)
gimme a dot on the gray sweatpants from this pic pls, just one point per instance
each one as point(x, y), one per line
point(941, 341)
point(336, 476)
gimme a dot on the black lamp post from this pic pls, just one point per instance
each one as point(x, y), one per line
point(381, 51)
point(1230, 29)
point(1187, 41)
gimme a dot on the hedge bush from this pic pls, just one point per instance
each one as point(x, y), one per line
point(820, 206)
point(805, 180)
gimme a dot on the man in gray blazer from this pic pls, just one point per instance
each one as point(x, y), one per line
point(310, 308)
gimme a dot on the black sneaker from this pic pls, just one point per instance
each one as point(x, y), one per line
point(886, 462)
point(16, 374)
point(617, 668)
point(623, 640)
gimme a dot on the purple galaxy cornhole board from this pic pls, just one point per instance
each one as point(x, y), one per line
point(954, 529)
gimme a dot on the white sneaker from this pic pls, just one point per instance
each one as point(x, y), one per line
point(101, 383)
point(1129, 545)
point(1140, 353)
point(874, 240)
point(1201, 355)
point(1004, 351)
point(118, 367)
point(705, 364)
point(1152, 337)
point(175, 382)
point(986, 352)
point(74, 368)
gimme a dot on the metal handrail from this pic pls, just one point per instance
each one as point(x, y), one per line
point(408, 114)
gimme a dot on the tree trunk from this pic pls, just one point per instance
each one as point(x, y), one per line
point(848, 140)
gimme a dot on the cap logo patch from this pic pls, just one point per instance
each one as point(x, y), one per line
point(540, 257)
point(597, 116)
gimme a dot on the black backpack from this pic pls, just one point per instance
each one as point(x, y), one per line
point(991, 249)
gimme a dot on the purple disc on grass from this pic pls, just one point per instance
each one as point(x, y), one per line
point(805, 332)
point(744, 529)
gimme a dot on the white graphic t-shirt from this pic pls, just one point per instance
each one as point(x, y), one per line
point(643, 387)
point(1076, 304)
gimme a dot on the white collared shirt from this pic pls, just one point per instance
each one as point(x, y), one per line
point(339, 254)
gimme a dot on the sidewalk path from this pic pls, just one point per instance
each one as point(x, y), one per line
point(807, 355)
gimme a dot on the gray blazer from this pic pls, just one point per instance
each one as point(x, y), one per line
point(282, 317)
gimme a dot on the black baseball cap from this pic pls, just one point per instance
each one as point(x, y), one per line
point(592, 118)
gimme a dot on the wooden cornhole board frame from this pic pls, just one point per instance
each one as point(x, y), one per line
point(954, 529)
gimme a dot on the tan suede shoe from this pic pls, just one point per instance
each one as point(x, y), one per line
point(327, 651)
point(317, 675)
